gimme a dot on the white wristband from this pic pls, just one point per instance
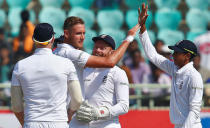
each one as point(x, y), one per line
point(129, 38)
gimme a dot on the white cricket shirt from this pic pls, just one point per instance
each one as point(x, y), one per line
point(107, 87)
point(186, 89)
point(43, 78)
point(78, 57)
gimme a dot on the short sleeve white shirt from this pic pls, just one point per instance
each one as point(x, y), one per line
point(43, 78)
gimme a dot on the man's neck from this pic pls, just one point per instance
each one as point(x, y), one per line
point(43, 46)
point(65, 41)
point(197, 67)
point(185, 63)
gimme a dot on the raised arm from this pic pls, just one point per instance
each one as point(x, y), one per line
point(113, 59)
point(149, 49)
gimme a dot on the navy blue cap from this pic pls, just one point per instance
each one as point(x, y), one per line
point(106, 38)
point(184, 46)
point(43, 32)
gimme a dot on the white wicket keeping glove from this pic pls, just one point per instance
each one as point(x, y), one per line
point(87, 113)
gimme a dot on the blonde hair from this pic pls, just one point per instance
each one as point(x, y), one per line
point(71, 21)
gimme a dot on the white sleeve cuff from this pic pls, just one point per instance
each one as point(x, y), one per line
point(143, 34)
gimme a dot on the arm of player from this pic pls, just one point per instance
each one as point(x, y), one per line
point(17, 96)
point(84, 59)
point(149, 49)
point(75, 93)
point(195, 101)
point(17, 103)
point(113, 59)
point(76, 97)
point(122, 94)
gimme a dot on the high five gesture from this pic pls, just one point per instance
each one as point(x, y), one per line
point(142, 17)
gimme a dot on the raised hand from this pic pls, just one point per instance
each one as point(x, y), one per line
point(133, 30)
point(142, 15)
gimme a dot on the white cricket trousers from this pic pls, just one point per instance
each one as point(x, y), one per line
point(46, 125)
point(105, 125)
point(197, 125)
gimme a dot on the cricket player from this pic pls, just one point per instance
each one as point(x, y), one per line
point(71, 48)
point(187, 85)
point(106, 90)
point(41, 84)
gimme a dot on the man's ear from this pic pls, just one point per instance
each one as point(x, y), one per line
point(188, 56)
point(53, 39)
point(66, 34)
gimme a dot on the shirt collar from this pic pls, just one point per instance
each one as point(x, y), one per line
point(41, 51)
point(184, 68)
point(64, 45)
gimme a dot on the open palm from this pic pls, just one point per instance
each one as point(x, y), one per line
point(142, 15)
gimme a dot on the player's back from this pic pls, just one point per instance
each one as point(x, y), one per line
point(43, 78)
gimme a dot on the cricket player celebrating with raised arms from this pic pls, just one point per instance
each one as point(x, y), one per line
point(187, 85)
point(43, 82)
point(106, 91)
point(74, 35)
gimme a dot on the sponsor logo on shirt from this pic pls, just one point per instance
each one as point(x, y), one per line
point(104, 79)
point(181, 85)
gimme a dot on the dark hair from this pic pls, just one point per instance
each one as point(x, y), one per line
point(71, 21)
point(208, 27)
point(157, 41)
point(135, 51)
point(4, 46)
point(1, 31)
point(25, 15)
point(58, 40)
point(191, 56)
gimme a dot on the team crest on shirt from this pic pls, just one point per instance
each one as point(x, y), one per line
point(104, 79)
point(181, 85)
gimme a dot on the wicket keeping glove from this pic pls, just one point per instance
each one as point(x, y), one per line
point(87, 113)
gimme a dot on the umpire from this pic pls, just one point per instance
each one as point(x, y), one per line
point(43, 81)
